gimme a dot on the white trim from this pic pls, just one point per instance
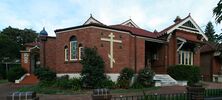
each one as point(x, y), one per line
point(20, 79)
point(130, 21)
point(168, 38)
point(186, 55)
point(189, 28)
point(181, 39)
point(193, 22)
point(91, 20)
point(86, 27)
point(71, 75)
point(66, 50)
point(34, 48)
point(112, 76)
point(71, 51)
point(80, 49)
point(181, 45)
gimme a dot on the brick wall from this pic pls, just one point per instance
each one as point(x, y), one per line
point(91, 37)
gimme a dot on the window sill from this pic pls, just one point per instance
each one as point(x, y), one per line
point(74, 61)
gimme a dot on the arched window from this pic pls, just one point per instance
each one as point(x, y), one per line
point(73, 48)
point(81, 51)
point(66, 50)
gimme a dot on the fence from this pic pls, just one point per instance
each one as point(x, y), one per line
point(208, 93)
point(213, 93)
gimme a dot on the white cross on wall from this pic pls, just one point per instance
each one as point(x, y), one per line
point(111, 40)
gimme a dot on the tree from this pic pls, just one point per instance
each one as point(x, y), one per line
point(217, 11)
point(8, 48)
point(210, 33)
point(13, 40)
point(218, 38)
point(93, 69)
point(20, 36)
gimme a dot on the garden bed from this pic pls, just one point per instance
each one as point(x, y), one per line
point(52, 90)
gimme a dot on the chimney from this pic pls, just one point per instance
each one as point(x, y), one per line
point(177, 19)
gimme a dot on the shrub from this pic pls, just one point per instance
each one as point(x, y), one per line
point(93, 69)
point(145, 77)
point(65, 83)
point(125, 78)
point(185, 72)
point(15, 73)
point(44, 83)
point(108, 83)
point(137, 85)
point(45, 74)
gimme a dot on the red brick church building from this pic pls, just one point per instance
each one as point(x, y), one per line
point(121, 45)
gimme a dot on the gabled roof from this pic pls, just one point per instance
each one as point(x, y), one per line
point(135, 31)
point(92, 20)
point(130, 23)
point(182, 25)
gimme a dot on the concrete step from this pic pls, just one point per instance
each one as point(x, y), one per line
point(29, 80)
point(165, 80)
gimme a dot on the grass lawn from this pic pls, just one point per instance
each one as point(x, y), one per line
point(3, 81)
point(51, 90)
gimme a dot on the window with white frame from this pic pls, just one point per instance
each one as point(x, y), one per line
point(73, 48)
point(185, 57)
point(81, 52)
point(66, 50)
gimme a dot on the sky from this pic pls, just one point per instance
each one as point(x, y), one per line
point(147, 14)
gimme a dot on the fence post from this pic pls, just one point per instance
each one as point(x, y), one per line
point(195, 92)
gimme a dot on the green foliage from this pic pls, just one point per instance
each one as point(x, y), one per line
point(185, 72)
point(93, 69)
point(8, 48)
point(108, 83)
point(15, 73)
point(137, 85)
point(125, 77)
point(2, 72)
point(20, 36)
point(217, 11)
point(145, 77)
point(210, 33)
point(45, 74)
point(12, 40)
point(65, 83)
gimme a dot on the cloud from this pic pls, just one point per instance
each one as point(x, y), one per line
point(150, 15)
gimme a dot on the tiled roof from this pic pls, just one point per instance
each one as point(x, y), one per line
point(210, 46)
point(171, 26)
point(135, 31)
point(33, 44)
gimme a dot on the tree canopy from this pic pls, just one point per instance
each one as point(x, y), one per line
point(217, 11)
point(8, 48)
point(20, 36)
point(12, 40)
point(210, 33)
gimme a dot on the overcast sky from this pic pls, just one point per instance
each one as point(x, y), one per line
point(148, 14)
